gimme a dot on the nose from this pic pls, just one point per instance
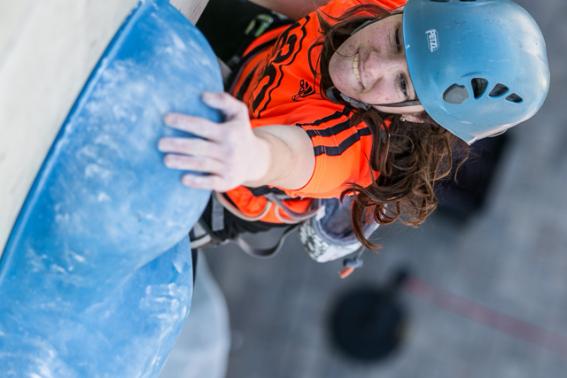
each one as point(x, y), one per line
point(376, 67)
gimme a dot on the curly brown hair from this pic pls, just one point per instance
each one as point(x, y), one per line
point(411, 157)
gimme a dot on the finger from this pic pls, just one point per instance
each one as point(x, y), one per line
point(191, 146)
point(230, 106)
point(193, 163)
point(211, 182)
point(195, 125)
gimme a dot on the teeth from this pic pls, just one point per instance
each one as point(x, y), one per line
point(355, 68)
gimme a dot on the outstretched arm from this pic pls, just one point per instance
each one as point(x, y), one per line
point(235, 154)
point(291, 8)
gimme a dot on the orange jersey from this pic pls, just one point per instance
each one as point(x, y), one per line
point(277, 83)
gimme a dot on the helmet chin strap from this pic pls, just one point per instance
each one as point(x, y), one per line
point(334, 95)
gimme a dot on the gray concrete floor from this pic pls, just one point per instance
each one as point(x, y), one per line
point(511, 259)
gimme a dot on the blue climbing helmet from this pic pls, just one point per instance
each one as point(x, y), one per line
point(478, 67)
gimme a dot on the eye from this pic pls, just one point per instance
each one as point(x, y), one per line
point(398, 40)
point(403, 85)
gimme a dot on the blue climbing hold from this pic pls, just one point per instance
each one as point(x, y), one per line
point(96, 277)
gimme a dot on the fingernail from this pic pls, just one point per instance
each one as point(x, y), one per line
point(209, 95)
point(187, 180)
point(192, 179)
point(167, 161)
point(169, 119)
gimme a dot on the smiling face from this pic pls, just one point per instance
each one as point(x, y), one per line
point(370, 66)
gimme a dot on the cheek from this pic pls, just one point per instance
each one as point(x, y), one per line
point(338, 63)
point(337, 71)
point(384, 92)
point(348, 48)
point(340, 67)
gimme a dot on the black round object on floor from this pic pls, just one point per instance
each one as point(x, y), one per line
point(368, 323)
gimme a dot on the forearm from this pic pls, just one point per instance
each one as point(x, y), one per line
point(293, 9)
point(287, 154)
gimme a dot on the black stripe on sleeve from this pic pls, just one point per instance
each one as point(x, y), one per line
point(330, 130)
point(323, 120)
point(338, 150)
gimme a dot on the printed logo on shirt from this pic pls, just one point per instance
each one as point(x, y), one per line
point(305, 89)
point(287, 48)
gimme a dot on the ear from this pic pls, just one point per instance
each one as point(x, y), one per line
point(414, 117)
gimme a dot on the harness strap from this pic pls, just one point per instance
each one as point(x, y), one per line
point(202, 236)
point(295, 216)
point(235, 211)
point(217, 215)
point(264, 252)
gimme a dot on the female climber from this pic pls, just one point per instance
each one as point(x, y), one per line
point(365, 99)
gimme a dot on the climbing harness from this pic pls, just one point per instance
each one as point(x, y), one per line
point(325, 232)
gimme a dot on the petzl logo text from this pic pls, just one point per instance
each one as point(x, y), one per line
point(432, 40)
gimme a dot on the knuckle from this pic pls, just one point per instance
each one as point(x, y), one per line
point(215, 131)
point(213, 166)
point(226, 96)
point(230, 177)
point(173, 143)
point(241, 107)
point(184, 160)
point(196, 146)
point(221, 151)
point(178, 143)
point(231, 133)
point(180, 120)
point(223, 97)
point(229, 154)
point(221, 185)
point(200, 164)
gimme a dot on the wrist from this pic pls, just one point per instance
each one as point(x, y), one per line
point(260, 162)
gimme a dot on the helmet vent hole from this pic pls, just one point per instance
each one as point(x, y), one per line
point(456, 94)
point(479, 86)
point(499, 90)
point(514, 98)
